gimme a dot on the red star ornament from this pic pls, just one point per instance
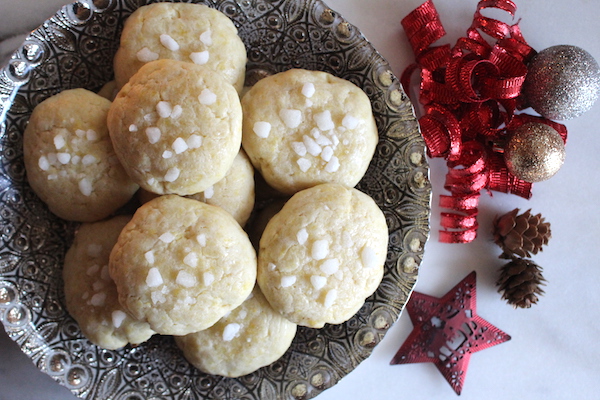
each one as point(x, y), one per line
point(447, 331)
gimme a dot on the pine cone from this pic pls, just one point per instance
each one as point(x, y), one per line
point(520, 282)
point(521, 235)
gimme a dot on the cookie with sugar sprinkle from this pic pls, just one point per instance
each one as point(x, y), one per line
point(322, 255)
point(70, 160)
point(181, 265)
point(176, 127)
point(193, 33)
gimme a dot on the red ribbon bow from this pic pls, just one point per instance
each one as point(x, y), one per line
point(470, 93)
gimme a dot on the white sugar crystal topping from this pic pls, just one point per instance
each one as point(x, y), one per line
point(327, 154)
point(149, 256)
point(158, 297)
point(320, 249)
point(153, 134)
point(167, 154)
point(206, 37)
point(287, 281)
point(209, 192)
point(207, 97)
point(368, 256)
point(330, 298)
point(176, 112)
point(350, 122)
point(330, 266)
point(94, 250)
point(167, 237)
point(179, 145)
point(43, 163)
point(91, 135)
point(185, 279)
point(133, 128)
point(59, 142)
point(63, 158)
point(272, 267)
point(118, 317)
point(291, 118)
point(333, 165)
point(308, 89)
point(85, 187)
point(80, 133)
point(98, 285)
point(172, 174)
point(164, 109)
point(194, 141)
point(302, 236)
point(208, 278)
point(299, 148)
point(154, 278)
point(88, 159)
point(169, 42)
point(98, 299)
point(191, 260)
point(200, 57)
point(318, 282)
point(146, 55)
point(93, 269)
point(201, 239)
point(324, 121)
point(75, 160)
point(262, 129)
point(304, 164)
point(231, 331)
point(311, 146)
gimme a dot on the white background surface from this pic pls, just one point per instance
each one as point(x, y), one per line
point(555, 348)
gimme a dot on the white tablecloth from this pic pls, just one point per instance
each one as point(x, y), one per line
point(555, 348)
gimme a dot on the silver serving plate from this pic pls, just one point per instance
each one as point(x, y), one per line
point(75, 48)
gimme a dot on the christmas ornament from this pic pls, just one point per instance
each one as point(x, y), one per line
point(563, 82)
point(471, 93)
point(520, 282)
point(447, 331)
point(521, 234)
point(534, 152)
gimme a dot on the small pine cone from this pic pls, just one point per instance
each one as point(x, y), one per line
point(521, 235)
point(520, 282)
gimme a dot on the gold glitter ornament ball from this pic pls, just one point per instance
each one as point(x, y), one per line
point(562, 82)
point(534, 152)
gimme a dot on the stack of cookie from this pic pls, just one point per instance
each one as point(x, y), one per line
point(175, 131)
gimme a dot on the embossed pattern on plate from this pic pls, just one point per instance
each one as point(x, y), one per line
point(75, 49)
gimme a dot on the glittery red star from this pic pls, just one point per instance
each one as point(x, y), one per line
point(447, 331)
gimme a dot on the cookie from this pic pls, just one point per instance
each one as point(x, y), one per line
point(192, 33)
point(250, 337)
point(181, 265)
point(69, 157)
point(91, 295)
point(302, 128)
point(322, 255)
point(176, 127)
point(234, 193)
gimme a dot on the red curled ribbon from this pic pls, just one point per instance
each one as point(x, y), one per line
point(470, 93)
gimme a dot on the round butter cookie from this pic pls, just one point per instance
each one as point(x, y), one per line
point(181, 265)
point(91, 295)
point(69, 157)
point(250, 337)
point(322, 255)
point(176, 127)
point(302, 128)
point(192, 33)
point(234, 193)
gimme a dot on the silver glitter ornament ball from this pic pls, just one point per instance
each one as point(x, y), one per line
point(562, 82)
point(534, 152)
